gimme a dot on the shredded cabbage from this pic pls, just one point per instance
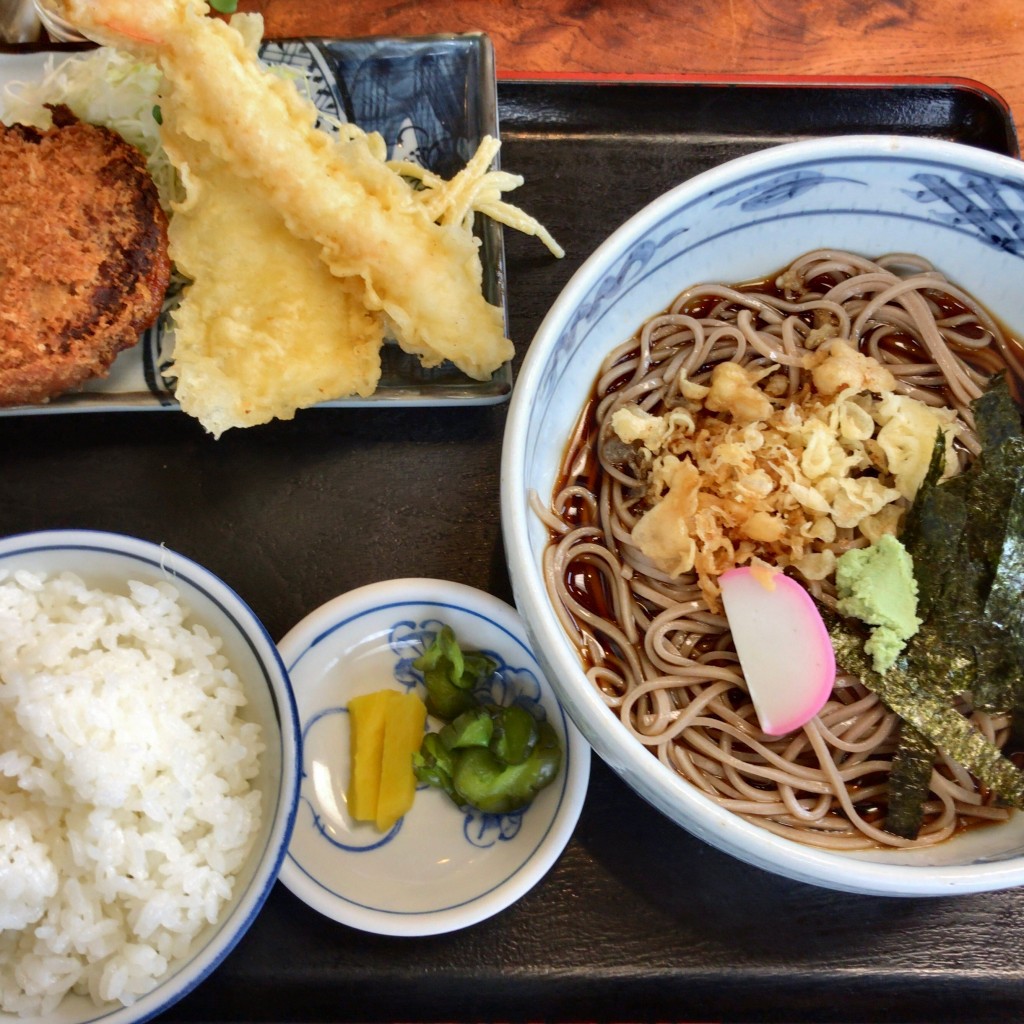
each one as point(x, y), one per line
point(105, 87)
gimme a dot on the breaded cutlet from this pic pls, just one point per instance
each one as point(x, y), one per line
point(83, 255)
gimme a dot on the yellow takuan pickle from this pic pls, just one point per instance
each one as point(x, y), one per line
point(387, 729)
point(403, 734)
point(366, 723)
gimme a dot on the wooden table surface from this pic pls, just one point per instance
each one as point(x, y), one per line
point(946, 38)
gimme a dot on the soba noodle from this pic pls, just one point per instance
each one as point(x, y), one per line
point(655, 650)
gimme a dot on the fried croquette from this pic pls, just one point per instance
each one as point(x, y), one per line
point(83, 255)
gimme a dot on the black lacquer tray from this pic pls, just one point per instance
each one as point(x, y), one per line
point(637, 920)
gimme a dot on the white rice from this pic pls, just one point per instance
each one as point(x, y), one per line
point(126, 796)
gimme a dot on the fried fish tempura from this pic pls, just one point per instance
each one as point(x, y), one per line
point(264, 336)
point(420, 276)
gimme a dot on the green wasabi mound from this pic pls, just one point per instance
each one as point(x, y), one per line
point(876, 585)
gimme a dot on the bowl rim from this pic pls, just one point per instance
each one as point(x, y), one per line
point(330, 618)
point(652, 780)
point(187, 975)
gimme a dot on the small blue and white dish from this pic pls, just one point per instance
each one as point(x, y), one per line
point(440, 868)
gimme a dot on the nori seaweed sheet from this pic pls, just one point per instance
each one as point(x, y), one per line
point(931, 714)
point(966, 537)
point(1004, 604)
point(937, 514)
point(909, 783)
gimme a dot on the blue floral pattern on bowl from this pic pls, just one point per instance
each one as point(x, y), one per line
point(989, 206)
point(781, 189)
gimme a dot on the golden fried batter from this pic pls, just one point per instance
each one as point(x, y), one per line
point(83, 255)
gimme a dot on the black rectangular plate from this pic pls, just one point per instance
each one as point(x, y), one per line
point(637, 920)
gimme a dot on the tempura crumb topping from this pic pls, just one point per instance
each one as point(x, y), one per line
point(736, 476)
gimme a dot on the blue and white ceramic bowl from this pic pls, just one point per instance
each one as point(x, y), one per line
point(439, 868)
point(962, 208)
point(110, 560)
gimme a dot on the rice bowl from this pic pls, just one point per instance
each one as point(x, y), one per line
point(150, 773)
